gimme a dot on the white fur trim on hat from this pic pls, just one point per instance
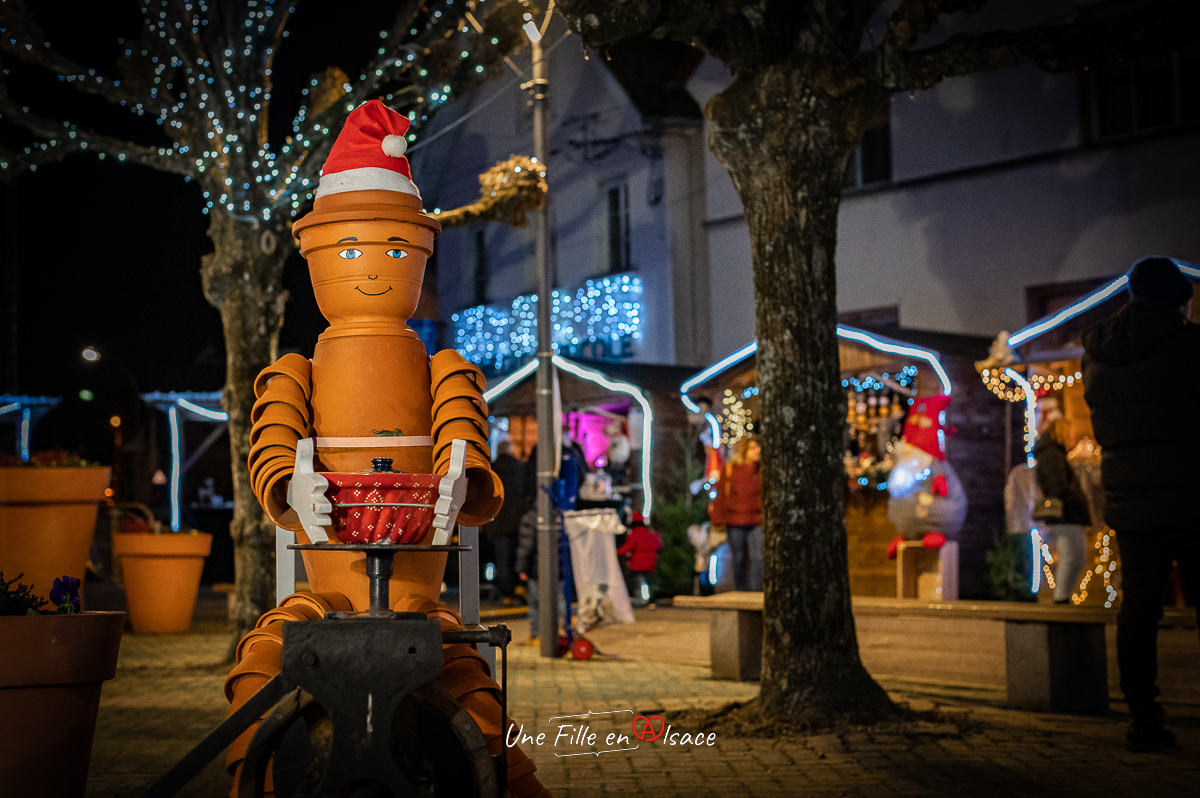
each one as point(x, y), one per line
point(366, 178)
point(394, 146)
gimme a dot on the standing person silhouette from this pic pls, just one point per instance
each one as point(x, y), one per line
point(1149, 495)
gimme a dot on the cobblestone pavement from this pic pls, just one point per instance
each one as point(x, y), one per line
point(167, 696)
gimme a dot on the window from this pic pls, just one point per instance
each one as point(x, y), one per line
point(481, 269)
point(872, 160)
point(617, 205)
point(1145, 93)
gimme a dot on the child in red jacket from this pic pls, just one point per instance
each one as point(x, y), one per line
point(641, 547)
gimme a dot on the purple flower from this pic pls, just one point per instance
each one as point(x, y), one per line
point(64, 592)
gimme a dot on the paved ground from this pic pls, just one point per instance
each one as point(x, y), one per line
point(167, 695)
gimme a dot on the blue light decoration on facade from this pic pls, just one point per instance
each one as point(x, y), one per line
point(601, 320)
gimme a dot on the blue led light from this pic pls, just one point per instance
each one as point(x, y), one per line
point(495, 334)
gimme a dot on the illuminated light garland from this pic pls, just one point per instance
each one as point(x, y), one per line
point(1030, 414)
point(605, 309)
point(876, 342)
point(176, 446)
point(613, 385)
point(738, 419)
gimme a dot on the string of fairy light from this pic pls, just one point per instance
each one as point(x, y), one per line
point(208, 85)
point(1000, 383)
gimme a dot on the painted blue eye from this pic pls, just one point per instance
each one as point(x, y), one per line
point(350, 254)
point(397, 253)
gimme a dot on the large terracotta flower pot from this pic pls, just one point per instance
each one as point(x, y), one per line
point(47, 515)
point(50, 676)
point(162, 575)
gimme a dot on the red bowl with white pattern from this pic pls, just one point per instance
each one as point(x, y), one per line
point(382, 507)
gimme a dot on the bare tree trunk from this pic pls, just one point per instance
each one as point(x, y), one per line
point(243, 278)
point(786, 143)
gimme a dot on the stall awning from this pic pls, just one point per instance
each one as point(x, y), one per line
point(202, 406)
point(24, 411)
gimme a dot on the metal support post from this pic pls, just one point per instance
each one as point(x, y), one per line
point(547, 529)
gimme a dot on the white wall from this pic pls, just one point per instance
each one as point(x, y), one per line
point(992, 192)
point(582, 92)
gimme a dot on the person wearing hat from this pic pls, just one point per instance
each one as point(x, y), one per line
point(1141, 376)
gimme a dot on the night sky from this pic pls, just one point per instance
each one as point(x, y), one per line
point(108, 254)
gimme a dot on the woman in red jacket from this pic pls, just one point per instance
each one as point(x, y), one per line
point(641, 546)
point(738, 508)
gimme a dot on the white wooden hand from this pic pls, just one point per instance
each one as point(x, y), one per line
point(306, 494)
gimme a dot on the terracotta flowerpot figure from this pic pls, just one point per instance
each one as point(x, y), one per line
point(47, 514)
point(368, 392)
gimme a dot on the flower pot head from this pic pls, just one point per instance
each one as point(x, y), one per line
point(367, 239)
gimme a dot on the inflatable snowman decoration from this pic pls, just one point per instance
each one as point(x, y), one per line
point(926, 501)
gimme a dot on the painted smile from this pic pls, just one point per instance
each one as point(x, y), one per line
point(368, 293)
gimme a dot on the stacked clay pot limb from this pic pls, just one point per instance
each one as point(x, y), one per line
point(258, 658)
point(465, 676)
point(460, 413)
point(281, 416)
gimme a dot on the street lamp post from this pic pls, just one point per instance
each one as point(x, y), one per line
point(547, 530)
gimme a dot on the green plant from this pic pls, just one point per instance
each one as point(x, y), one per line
point(674, 512)
point(54, 458)
point(19, 600)
point(1008, 563)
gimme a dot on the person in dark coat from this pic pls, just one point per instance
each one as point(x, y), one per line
point(1068, 531)
point(501, 532)
point(1140, 372)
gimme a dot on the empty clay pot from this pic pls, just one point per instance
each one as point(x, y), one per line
point(281, 389)
point(441, 367)
point(162, 575)
point(268, 469)
point(485, 497)
point(457, 385)
point(476, 447)
point(466, 406)
point(297, 367)
point(277, 436)
point(47, 516)
point(273, 497)
point(462, 427)
point(283, 415)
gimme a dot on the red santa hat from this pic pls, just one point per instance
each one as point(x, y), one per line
point(925, 427)
point(369, 154)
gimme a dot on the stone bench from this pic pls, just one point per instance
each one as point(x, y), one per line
point(1055, 656)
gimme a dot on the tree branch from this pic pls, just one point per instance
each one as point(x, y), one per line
point(24, 40)
point(62, 140)
point(915, 17)
point(1149, 30)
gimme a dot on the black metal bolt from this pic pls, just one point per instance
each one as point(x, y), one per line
point(381, 465)
point(309, 658)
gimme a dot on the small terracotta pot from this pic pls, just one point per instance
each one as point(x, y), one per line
point(162, 575)
point(280, 437)
point(282, 390)
point(466, 406)
point(277, 435)
point(292, 365)
point(50, 678)
point(441, 368)
point(485, 497)
point(464, 427)
point(273, 498)
point(283, 415)
point(46, 520)
point(476, 443)
point(268, 471)
point(457, 385)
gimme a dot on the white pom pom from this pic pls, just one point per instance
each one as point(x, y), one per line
point(394, 146)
